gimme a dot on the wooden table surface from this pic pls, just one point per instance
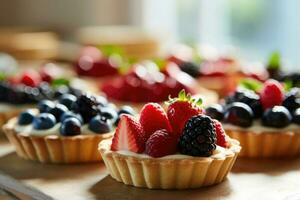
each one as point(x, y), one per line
point(250, 179)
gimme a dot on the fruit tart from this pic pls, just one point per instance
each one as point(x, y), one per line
point(147, 82)
point(64, 131)
point(177, 149)
point(20, 92)
point(265, 121)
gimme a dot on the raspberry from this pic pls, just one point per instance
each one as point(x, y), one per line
point(30, 78)
point(161, 143)
point(272, 94)
point(199, 137)
point(153, 118)
point(221, 136)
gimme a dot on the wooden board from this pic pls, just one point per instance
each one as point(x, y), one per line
point(250, 179)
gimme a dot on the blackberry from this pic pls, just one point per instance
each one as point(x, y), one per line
point(198, 137)
point(87, 106)
point(292, 99)
point(190, 68)
point(247, 97)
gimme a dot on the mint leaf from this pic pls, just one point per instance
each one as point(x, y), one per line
point(2, 77)
point(251, 84)
point(108, 50)
point(59, 82)
point(288, 84)
point(274, 61)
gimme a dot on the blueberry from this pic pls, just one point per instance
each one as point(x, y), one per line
point(26, 117)
point(109, 113)
point(292, 99)
point(100, 125)
point(248, 97)
point(296, 116)
point(70, 114)
point(61, 90)
point(68, 100)
point(215, 111)
point(70, 127)
point(45, 106)
point(44, 121)
point(126, 110)
point(277, 117)
point(58, 110)
point(190, 68)
point(239, 114)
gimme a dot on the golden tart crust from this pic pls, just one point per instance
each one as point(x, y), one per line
point(169, 173)
point(267, 144)
point(55, 148)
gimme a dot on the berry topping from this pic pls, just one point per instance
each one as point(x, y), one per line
point(44, 121)
point(30, 78)
point(296, 116)
point(68, 100)
point(181, 109)
point(26, 117)
point(100, 125)
point(69, 114)
point(129, 135)
point(239, 114)
point(277, 117)
point(45, 106)
point(199, 137)
point(87, 106)
point(221, 136)
point(190, 68)
point(272, 94)
point(248, 97)
point(215, 111)
point(292, 99)
point(153, 118)
point(109, 113)
point(58, 110)
point(161, 143)
point(70, 127)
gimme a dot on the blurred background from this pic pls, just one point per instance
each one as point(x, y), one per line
point(254, 27)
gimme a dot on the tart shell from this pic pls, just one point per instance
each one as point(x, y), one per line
point(5, 116)
point(157, 173)
point(54, 148)
point(281, 144)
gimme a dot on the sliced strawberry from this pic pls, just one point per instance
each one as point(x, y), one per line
point(181, 109)
point(221, 136)
point(152, 118)
point(161, 143)
point(129, 135)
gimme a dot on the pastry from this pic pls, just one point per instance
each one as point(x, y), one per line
point(178, 149)
point(266, 122)
point(64, 131)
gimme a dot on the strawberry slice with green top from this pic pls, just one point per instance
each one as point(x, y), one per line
point(181, 109)
point(129, 135)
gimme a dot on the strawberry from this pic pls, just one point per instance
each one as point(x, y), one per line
point(272, 94)
point(30, 78)
point(181, 109)
point(221, 136)
point(161, 143)
point(152, 118)
point(129, 135)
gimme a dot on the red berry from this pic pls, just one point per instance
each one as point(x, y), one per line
point(161, 143)
point(181, 110)
point(272, 94)
point(129, 135)
point(153, 118)
point(30, 78)
point(46, 75)
point(221, 136)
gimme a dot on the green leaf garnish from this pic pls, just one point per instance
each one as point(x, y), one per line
point(161, 63)
point(287, 85)
point(59, 82)
point(109, 50)
point(274, 61)
point(2, 77)
point(251, 84)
